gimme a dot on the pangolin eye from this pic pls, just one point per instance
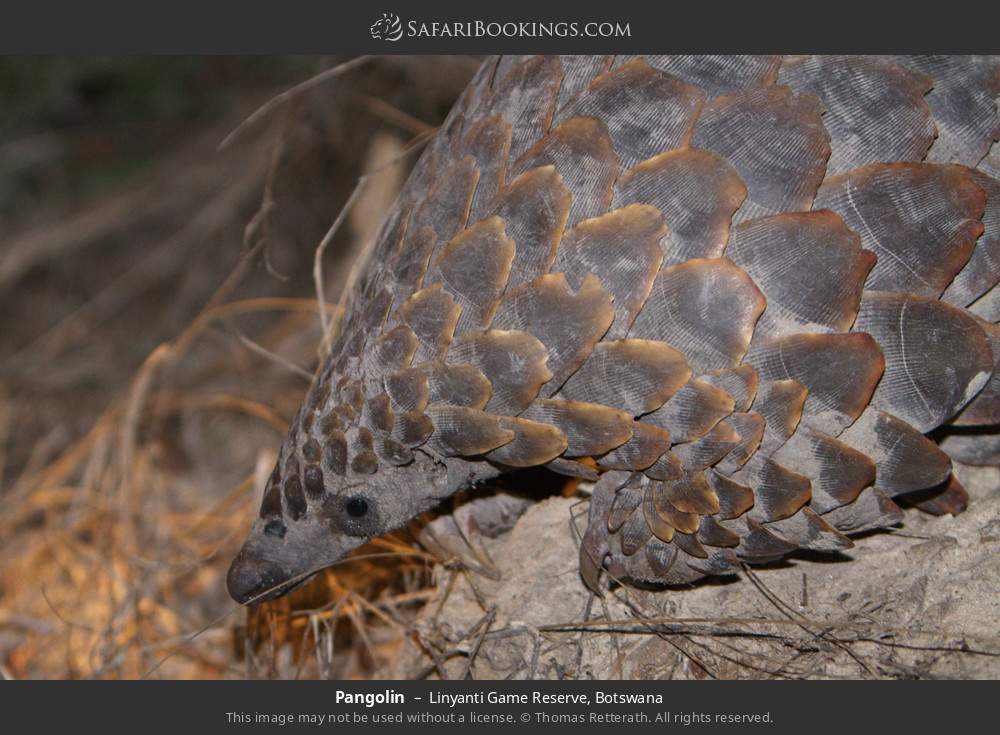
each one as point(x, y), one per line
point(354, 515)
point(356, 507)
point(275, 528)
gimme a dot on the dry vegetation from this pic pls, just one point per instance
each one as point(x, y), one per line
point(160, 325)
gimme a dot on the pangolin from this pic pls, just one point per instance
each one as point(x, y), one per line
point(736, 293)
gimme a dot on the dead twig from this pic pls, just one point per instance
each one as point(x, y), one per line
point(289, 94)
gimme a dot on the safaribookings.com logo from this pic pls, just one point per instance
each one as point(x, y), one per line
point(390, 28)
point(387, 28)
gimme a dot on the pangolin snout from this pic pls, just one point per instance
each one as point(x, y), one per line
point(250, 577)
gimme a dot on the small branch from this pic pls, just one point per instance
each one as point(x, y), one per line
point(273, 356)
point(289, 94)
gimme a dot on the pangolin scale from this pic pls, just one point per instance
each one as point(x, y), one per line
point(737, 292)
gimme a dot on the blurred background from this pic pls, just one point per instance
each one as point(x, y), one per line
point(159, 324)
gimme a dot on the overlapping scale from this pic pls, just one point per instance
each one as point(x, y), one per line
point(729, 290)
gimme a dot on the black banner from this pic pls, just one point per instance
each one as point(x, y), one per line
point(512, 26)
point(775, 707)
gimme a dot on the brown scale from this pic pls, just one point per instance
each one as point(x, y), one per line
point(777, 491)
point(667, 467)
point(735, 499)
point(782, 255)
point(377, 304)
point(657, 505)
point(311, 450)
point(460, 431)
point(683, 294)
point(631, 99)
point(295, 499)
point(344, 414)
point(361, 451)
point(953, 499)
point(692, 411)
point(697, 192)
point(446, 208)
point(739, 382)
point(905, 460)
point(982, 271)
point(838, 473)
point(513, 362)
point(708, 450)
point(590, 429)
point(921, 220)
point(716, 561)
point(432, 315)
point(917, 335)
point(636, 375)
point(377, 414)
point(578, 73)
point(660, 556)
point(757, 544)
point(312, 481)
point(647, 444)
point(412, 428)
point(456, 384)
point(568, 323)
point(634, 534)
point(874, 110)
point(806, 530)
point(734, 293)
point(626, 500)
point(572, 468)
point(353, 395)
point(622, 250)
point(581, 151)
point(407, 390)
point(688, 543)
point(391, 351)
point(872, 509)
point(394, 452)
point(838, 372)
point(335, 452)
point(775, 140)
point(717, 74)
point(780, 403)
point(391, 232)
point(692, 494)
point(534, 209)
point(963, 103)
point(534, 443)
point(750, 427)
point(711, 533)
point(473, 267)
point(488, 142)
point(330, 422)
point(526, 98)
point(271, 504)
point(409, 266)
point(984, 409)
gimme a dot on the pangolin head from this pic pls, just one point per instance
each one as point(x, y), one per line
point(334, 487)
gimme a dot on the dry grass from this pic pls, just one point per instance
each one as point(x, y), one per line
point(173, 327)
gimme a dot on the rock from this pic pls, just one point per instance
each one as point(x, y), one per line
point(921, 601)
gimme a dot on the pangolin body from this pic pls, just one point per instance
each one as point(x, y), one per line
point(736, 291)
